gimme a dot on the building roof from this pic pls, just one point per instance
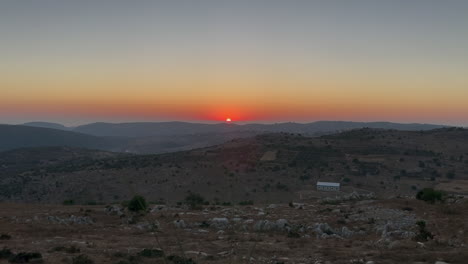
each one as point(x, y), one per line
point(331, 184)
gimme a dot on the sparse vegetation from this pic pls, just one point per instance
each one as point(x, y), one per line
point(151, 253)
point(5, 237)
point(248, 202)
point(451, 174)
point(25, 257)
point(82, 259)
point(5, 253)
point(70, 250)
point(68, 202)
point(137, 204)
point(423, 234)
point(429, 195)
point(195, 201)
point(180, 260)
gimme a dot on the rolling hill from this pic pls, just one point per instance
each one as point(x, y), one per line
point(13, 136)
point(142, 129)
point(154, 138)
point(277, 167)
point(47, 125)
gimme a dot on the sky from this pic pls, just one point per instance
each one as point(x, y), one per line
point(83, 61)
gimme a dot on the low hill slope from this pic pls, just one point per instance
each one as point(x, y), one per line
point(266, 168)
point(13, 136)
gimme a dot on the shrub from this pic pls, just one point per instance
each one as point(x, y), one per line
point(180, 260)
point(68, 202)
point(293, 234)
point(304, 177)
point(5, 237)
point(282, 187)
point(194, 200)
point(24, 257)
point(151, 253)
point(5, 253)
point(429, 195)
point(249, 202)
point(451, 174)
point(423, 235)
point(70, 250)
point(82, 259)
point(138, 203)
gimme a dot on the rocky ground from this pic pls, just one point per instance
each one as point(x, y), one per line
point(348, 230)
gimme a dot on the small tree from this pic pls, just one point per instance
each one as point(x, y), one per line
point(138, 203)
point(423, 235)
point(429, 195)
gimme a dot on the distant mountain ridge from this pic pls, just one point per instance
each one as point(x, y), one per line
point(161, 137)
point(47, 125)
point(13, 136)
point(145, 129)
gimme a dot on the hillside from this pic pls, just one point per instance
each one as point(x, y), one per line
point(13, 136)
point(142, 129)
point(266, 168)
point(164, 137)
point(47, 125)
point(24, 159)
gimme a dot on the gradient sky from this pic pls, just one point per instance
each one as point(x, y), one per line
point(95, 60)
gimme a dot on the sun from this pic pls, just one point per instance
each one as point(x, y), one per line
point(228, 120)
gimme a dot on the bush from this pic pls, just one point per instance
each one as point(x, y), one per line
point(82, 259)
point(249, 202)
point(70, 250)
point(423, 235)
point(429, 195)
point(24, 257)
point(5, 253)
point(180, 260)
point(304, 177)
point(194, 200)
point(68, 202)
point(451, 174)
point(5, 237)
point(293, 234)
point(151, 253)
point(282, 187)
point(138, 203)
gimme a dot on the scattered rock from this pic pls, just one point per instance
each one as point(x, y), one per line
point(219, 223)
point(80, 220)
point(179, 223)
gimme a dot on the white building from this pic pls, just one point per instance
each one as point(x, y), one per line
point(328, 186)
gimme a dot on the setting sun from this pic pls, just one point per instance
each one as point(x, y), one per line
point(228, 119)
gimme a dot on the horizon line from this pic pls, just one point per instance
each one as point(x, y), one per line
point(240, 123)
